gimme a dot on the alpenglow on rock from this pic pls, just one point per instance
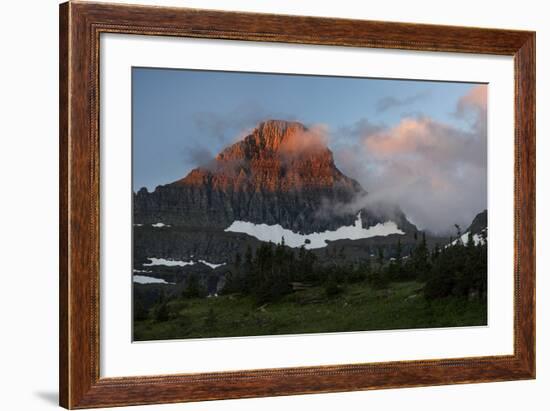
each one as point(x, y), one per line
point(281, 173)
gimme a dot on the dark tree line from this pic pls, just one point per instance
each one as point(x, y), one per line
point(457, 269)
point(268, 274)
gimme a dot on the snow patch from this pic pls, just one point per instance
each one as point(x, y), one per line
point(177, 263)
point(142, 271)
point(275, 233)
point(169, 263)
point(476, 238)
point(143, 279)
point(211, 265)
point(159, 225)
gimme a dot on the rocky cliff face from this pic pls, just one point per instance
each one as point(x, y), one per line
point(278, 156)
point(479, 223)
point(282, 173)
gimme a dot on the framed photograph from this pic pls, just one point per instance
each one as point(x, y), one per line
point(259, 205)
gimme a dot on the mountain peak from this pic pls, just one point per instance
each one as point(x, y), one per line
point(280, 128)
point(269, 138)
point(277, 155)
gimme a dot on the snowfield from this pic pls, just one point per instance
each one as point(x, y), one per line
point(275, 233)
point(177, 263)
point(143, 279)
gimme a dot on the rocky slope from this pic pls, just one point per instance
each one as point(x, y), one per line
point(477, 230)
point(479, 223)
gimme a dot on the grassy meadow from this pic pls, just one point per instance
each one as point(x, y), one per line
point(351, 307)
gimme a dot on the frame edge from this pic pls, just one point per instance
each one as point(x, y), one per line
point(64, 380)
point(525, 180)
point(79, 382)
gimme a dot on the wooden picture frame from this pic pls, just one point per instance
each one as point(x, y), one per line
point(80, 27)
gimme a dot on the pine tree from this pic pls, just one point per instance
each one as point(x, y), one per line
point(420, 259)
point(248, 271)
point(380, 259)
point(193, 288)
point(398, 251)
point(248, 257)
point(237, 260)
point(458, 234)
point(396, 267)
point(459, 271)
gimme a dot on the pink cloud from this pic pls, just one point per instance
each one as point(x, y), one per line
point(312, 140)
point(435, 171)
point(407, 137)
point(475, 99)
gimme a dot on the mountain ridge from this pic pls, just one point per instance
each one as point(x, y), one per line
point(280, 173)
point(276, 156)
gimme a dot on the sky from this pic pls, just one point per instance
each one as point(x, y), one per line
point(419, 144)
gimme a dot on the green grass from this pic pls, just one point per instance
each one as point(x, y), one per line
point(359, 307)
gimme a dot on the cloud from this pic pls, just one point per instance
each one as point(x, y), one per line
point(235, 122)
point(435, 172)
point(475, 99)
point(472, 107)
point(426, 140)
point(390, 102)
point(198, 156)
point(309, 142)
point(359, 128)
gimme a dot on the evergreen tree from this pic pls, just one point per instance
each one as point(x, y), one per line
point(470, 241)
point(193, 288)
point(460, 271)
point(234, 280)
point(248, 258)
point(458, 234)
point(398, 251)
point(238, 260)
point(380, 258)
